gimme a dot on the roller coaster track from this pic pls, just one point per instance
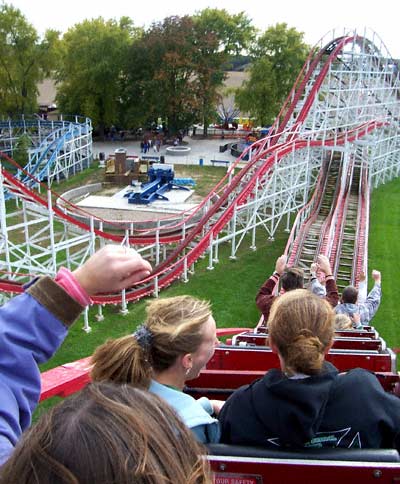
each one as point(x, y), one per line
point(342, 250)
point(236, 189)
point(335, 227)
point(41, 165)
point(314, 235)
point(58, 146)
point(223, 209)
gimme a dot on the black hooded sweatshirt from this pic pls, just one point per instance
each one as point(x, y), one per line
point(325, 410)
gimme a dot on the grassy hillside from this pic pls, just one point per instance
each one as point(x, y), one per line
point(384, 255)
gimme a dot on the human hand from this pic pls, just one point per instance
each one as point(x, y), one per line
point(217, 405)
point(112, 269)
point(362, 276)
point(356, 319)
point(280, 264)
point(324, 264)
point(314, 268)
point(376, 276)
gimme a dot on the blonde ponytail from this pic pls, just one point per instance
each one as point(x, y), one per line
point(122, 360)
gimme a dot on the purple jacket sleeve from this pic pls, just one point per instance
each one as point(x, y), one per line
point(32, 327)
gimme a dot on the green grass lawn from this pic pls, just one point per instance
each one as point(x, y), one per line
point(384, 255)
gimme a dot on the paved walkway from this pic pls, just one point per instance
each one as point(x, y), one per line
point(206, 150)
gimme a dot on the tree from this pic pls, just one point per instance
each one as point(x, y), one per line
point(219, 35)
point(93, 56)
point(176, 69)
point(21, 149)
point(278, 57)
point(160, 77)
point(259, 95)
point(24, 61)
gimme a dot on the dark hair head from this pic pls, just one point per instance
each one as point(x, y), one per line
point(349, 295)
point(292, 278)
point(301, 325)
point(174, 326)
point(108, 433)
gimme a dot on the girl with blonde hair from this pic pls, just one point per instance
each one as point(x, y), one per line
point(343, 322)
point(307, 403)
point(172, 346)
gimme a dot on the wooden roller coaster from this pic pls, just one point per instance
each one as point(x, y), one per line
point(336, 138)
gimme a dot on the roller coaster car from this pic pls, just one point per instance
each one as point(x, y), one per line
point(356, 340)
point(227, 357)
point(234, 366)
point(251, 465)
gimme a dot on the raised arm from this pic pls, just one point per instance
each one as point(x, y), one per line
point(332, 295)
point(112, 269)
point(316, 285)
point(34, 324)
point(369, 308)
point(266, 296)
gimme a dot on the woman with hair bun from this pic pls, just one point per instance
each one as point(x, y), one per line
point(172, 346)
point(307, 403)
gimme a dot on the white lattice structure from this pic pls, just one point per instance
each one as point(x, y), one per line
point(58, 149)
point(359, 86)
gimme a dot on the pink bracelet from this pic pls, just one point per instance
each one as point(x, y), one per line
point(68, 282)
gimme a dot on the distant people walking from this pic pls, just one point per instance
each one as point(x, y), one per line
point(113, 132)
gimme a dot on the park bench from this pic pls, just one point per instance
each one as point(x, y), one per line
point(222, 162)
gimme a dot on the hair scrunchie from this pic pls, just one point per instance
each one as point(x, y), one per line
point(144, 337)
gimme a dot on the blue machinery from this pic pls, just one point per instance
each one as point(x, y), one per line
point(161, 180)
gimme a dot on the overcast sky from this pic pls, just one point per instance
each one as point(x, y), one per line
point(313, 17)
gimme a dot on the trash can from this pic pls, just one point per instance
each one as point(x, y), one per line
point(102, 159)
point(201, 161)
point(162, 159)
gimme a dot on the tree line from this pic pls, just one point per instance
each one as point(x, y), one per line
point(119, 74)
